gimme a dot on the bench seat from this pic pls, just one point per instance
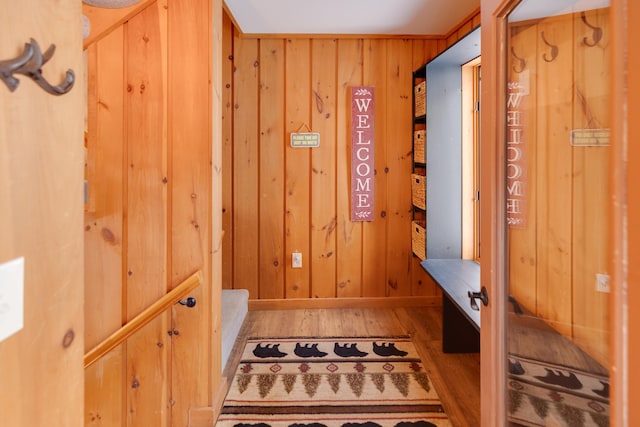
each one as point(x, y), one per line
point(460, 323)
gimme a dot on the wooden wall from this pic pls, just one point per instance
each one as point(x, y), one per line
point(631, 65)
point(277, 200)
point(148, 221)
point(41, 220)
point(563, 242)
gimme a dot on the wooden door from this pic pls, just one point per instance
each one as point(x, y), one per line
point(41, 163)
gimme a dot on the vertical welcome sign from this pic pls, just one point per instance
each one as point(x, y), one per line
point(362, 143)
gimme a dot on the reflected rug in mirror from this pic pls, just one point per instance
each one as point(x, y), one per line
point(331, 382)
point(545, 394)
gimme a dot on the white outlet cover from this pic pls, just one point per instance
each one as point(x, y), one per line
point(11, 297)
point(296, 260)
point(603, 283)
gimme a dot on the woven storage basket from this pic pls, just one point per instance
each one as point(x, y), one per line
point(419, 239)
point(419, 190)
point(418, 146)
point(420, 99)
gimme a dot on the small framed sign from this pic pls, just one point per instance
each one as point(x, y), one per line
point(305, 139)
point(590, 137)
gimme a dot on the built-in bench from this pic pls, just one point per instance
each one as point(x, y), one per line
point(460, 322)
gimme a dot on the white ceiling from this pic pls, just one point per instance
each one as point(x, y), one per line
point(366, 17)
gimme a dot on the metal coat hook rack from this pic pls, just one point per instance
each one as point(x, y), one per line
point(29, 64)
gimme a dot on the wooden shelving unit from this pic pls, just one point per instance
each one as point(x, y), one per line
point(419, 165)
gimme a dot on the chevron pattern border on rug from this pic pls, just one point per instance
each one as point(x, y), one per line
point(331, 382)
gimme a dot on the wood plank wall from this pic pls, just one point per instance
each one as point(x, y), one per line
point(555, 256)
point(632, 177)
point(41, 156)
point(148, 221)
point(277, 200)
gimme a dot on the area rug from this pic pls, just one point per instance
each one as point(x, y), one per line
point(545, 394)
point(331, 382)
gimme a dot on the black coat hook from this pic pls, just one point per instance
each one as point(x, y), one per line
point(29, 64)
point(596, 35)
point(522, 64)
point(554, 50)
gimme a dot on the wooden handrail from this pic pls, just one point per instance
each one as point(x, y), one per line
point(138, 322)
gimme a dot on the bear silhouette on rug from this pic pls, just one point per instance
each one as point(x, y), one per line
point(348, 350)
point(308, 350)
point(268, 350)
point(415, 424)
point(388, 349)
point(569, 381)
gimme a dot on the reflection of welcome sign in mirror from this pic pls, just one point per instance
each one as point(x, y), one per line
point(444, 147)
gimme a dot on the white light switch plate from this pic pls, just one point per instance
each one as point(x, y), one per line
point(11, 297)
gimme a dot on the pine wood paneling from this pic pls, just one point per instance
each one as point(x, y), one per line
point(104, 238)
point(323, 166)
point(246, 164)
point(632, 62)
point(555, 82)
point(216, 62)
point(226, 129)
point(152, 184)
point(297, 169)
point(374, 234)
point(399, 158)
point(591, 188)
point(41, 157)
point(272, 147)
point(147, 181)
point(348, 233)
point(556, 254)
point(103, 219)
point(306, 82)
point(190, 202)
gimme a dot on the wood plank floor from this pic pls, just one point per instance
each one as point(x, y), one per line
point(456, 377)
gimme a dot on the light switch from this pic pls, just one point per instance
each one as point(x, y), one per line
point(11, 297)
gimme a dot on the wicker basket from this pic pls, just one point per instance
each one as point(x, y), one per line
point(419, 239)
point(419, 190)
point(418, 146)
point(420, 99)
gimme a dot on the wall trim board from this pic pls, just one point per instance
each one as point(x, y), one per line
point(335, 36)
point(207, 416)
point(380, 302)
point(104, 20)
point(473, 17)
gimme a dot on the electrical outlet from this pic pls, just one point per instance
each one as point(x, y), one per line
point(296, 260)
point(11, 297)
point(602, 283)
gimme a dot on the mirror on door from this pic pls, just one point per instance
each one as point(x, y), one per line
point(557, 180)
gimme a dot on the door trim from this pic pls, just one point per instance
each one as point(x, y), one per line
point(493, 363)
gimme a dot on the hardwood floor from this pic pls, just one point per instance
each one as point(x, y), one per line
point(456, 377)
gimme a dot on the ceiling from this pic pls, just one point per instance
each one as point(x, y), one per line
point(366, 17)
